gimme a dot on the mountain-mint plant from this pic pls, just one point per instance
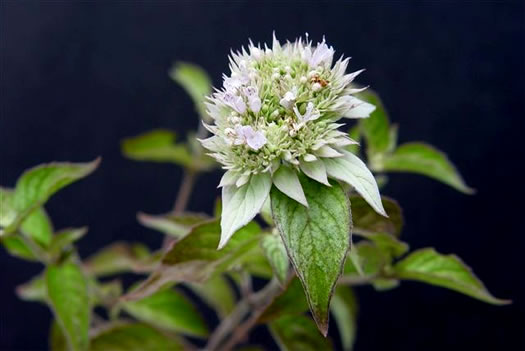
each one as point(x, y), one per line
point(274, 127)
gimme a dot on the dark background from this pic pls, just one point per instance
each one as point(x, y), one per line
point(78, 77)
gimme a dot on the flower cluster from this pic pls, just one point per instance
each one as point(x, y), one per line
point(275, 116)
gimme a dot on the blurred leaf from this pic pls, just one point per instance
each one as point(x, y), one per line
point(157, 146)
point(68, 296)
point(256, 263)
point(355, 134)
point(36, 185)
point(266, 212)
point(376, 128)
point(195, 257)
point(174, 225)
point(275, 252)
point(309, 234)
point(121, 257)
point(17, 247)
point(291, 302)
point(195, 81)
point(169, 310)
point(133, 337)
point(344, 308)
point(426, 160)
point(448, 271)
point(57, 340)
point(366, 219)
point(217, 293)
point(64, 239)
point(388, 243)
point(33, 290)
point(298, 333)
point(372, 260)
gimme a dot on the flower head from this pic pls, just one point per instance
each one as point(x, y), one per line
point(278, 109)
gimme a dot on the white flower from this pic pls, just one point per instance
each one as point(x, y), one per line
point(246, 135)
point(261, 137)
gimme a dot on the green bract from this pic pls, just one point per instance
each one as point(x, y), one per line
point(275, 116)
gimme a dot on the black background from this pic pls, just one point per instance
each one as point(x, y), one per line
point(76, 77)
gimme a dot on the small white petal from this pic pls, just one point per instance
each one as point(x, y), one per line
point(358, 108)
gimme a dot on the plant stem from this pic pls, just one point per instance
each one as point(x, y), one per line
point(186, 187)
point(232, 327)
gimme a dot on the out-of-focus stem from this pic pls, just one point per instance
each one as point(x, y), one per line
point(186, 187)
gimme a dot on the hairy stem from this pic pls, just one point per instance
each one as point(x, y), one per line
point(188, 181)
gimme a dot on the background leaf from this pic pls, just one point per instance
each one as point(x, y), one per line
point(195, 81)
point(38, 184)
point(156, 146)
point(298, 333)
point(169, 310)
point(68, 296)
point(290, 302)
point(426, 160)
point(133, 337)
point(121, 257)
point(375, 128)
point(309, 234)
point(216, 292)
point(344, 309)
point(275, 252)
point(448, 271)
point(64, 239)
point(173, 225)
point(33, 290)
point(366, 219)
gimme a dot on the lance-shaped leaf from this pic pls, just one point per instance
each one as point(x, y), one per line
point(375, 128)
point(195, 81)
point(287, 181)
point(64, 239)
point(387, 242)
point(133, 337)
point(426, 160)
point(18, 247)
point(67, 291)
point(195, 257)
point(298, 333)
point(366, 219)
point(156, 146)
point(448, 271)
point(241, 204)
point(317, 239)
point(121, 257)
point(351, 170)
point(216, 292)
point(170, 310)
point(33, 290)
point(275, 252)
point(173, 225)
point(38, 184)
point(344, 309)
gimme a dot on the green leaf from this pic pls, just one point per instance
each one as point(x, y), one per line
point(173, 225)
point(291, 302)
point(157, 146)
point(195, 81)
point(217, 293)
point(344, 309)
point(67, 291)
point(64, 239)
point(309, 234)
point(195, 257)
point(448, 271)
point(38, 184)
point(376, 127)
point(366, 219)
point(57, 340)
point(372, 260)
point(387, 243)
point(121, 257)
point(298, 333)
point(169, 310)
point(275, 252)
point(18, 247)
point(133, 337)
point(34, 290)
point(426, 160)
